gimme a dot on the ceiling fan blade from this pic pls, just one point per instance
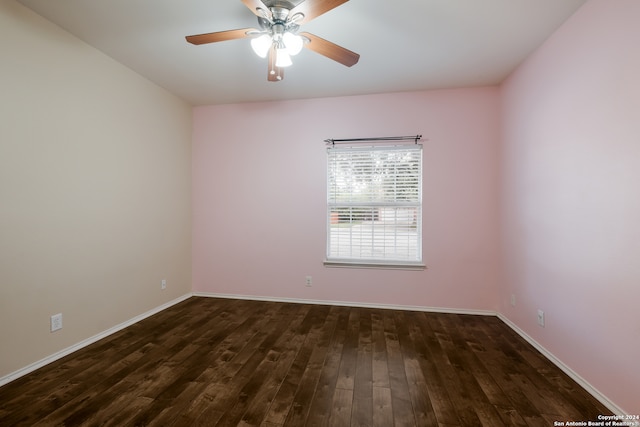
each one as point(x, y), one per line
point(219, 36)
point(331, 50)
point(255, 6)
point(277, 77)
point(274, 74)
point(314, 8)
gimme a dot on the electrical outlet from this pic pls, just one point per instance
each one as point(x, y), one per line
point(541, 318)
point(309, 281)
point(163, 284)
point(513, 300)
point(56, 322)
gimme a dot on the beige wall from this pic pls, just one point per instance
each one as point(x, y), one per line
point(94, 190)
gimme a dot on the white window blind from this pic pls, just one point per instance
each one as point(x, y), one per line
point(374, 205)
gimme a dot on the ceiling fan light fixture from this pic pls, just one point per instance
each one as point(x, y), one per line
point(261, 45)
point(283, 59)
point(293, 43)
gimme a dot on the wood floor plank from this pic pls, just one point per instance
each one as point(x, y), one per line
point(473, 359)
point(180, 413)
point(362, 411)
point(418, 388)
point(380, 375)
point(400, 396)
point(177, 376)
point(207, 408)
point(382, 407)
point(341, 408)
point(462, 357)
point(274, 369)
point(575, 404)
point(283, 401)
point(308, 383)
point(459, 388)
point(320, 408)
point(511, 417)
point(214, 379)
point(436, 367)
point(306, 393)
point(347, 372)
point(207, 362)
point(255, 369)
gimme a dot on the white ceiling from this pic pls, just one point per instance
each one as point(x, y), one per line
point(404, 45)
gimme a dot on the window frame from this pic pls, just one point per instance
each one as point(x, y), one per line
point(365, 262)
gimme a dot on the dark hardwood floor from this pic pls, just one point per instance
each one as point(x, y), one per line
point(216, 362)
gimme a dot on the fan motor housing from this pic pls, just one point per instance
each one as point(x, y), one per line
point(280, 14)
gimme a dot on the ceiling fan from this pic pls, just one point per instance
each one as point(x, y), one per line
point(279, 37)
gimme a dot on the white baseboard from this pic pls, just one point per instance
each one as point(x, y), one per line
point(566, 369)
point(64, 352)
point(349, 304)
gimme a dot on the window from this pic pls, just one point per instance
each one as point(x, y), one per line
point(374, 206)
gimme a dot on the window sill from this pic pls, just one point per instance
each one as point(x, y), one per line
point(375, 265)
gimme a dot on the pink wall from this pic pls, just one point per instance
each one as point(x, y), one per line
point(259, 198)
point(571, 205)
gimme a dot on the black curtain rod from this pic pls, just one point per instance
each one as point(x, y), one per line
point(415, 138)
